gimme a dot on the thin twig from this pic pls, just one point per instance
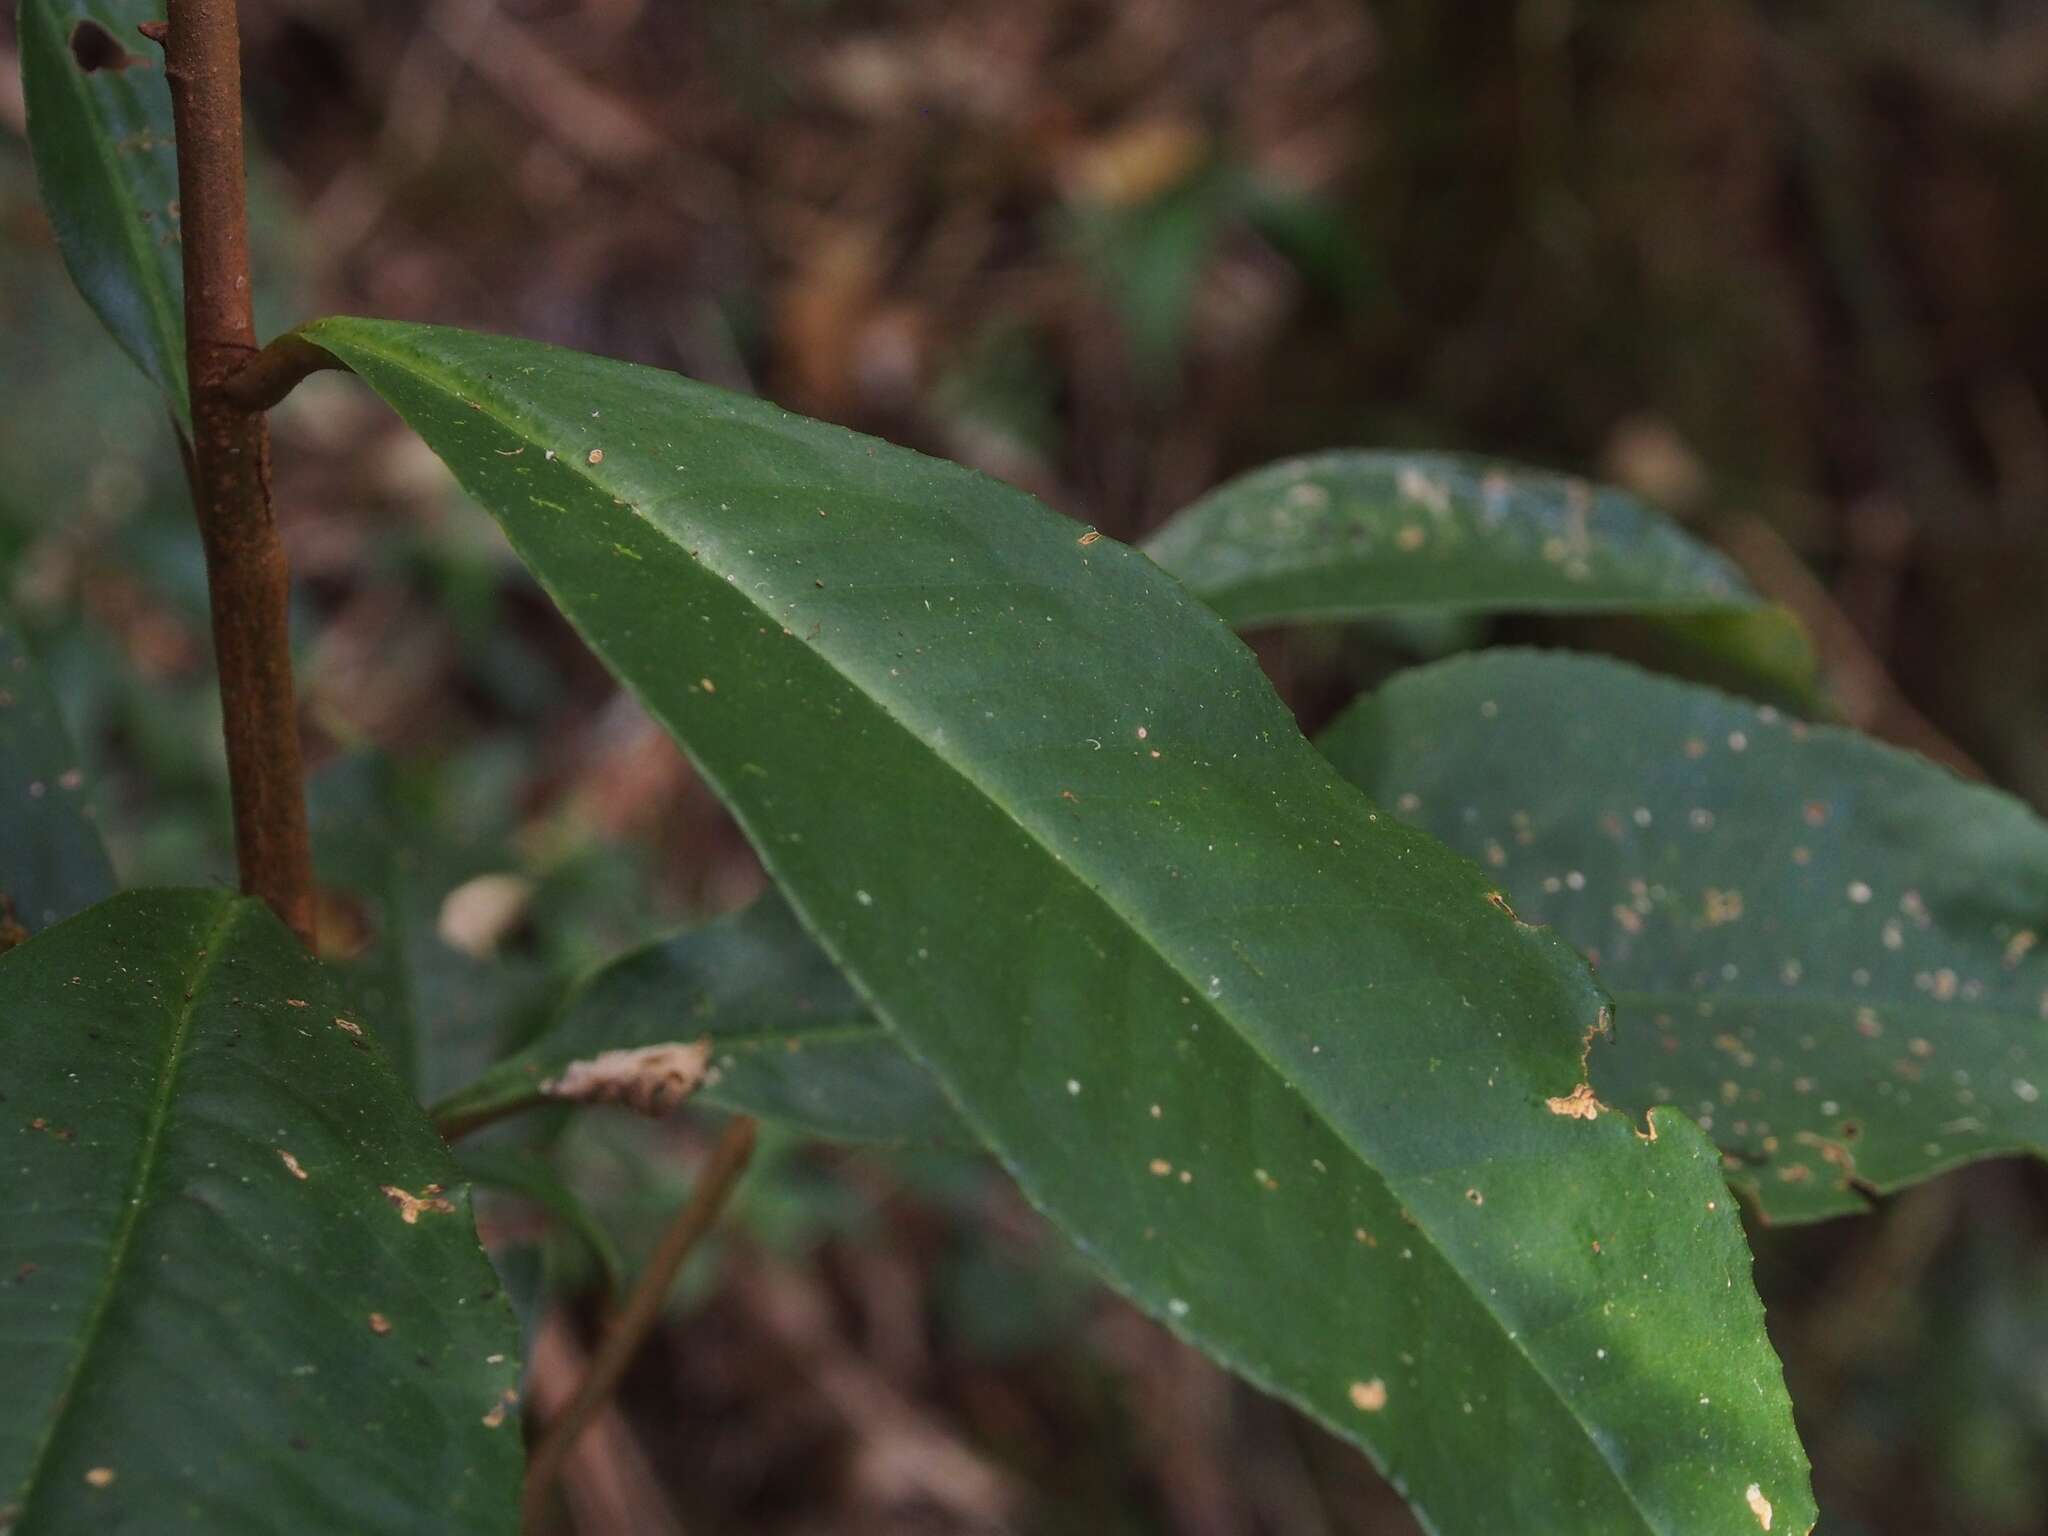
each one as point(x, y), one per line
point(247, 578)
point(607, 1482)
point(264, 380)
point(637, 1318)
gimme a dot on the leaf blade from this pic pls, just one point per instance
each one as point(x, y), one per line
point(1357, 534)
point(52, 861)
point(219, 1315)
point(791, 1040)
point(988, 845)
point(1807, 933)
point(105, 161)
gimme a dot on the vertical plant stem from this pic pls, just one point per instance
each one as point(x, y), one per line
point(230, 465)
point(245, 563)
point(638, 1316)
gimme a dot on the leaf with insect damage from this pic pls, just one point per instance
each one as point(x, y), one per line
point(1825, 949)
point(239, 1285)
point(99, 125)
point(1278, 1064)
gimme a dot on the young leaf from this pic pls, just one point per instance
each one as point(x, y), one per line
point(1278, 1064)
point(1824, 948)
point(1356, 534)
point(789, 1040)
point(52, 862)
point(242, 1290)
point(99, 125)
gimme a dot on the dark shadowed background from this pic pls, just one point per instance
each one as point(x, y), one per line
point(1778, 267)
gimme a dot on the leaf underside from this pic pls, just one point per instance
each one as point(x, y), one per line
point(99, 125)
point(1277, 1064)
point(213, 1312)
point(1824, 948)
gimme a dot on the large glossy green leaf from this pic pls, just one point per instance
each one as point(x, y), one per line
point(1279, 1064)
point(99, 123)
point(1824, 948)
point(1357, 534)
point(239, 1287)
point(52, 862)
point(789, 1039)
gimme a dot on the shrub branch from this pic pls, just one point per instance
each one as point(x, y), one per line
point(247, 578)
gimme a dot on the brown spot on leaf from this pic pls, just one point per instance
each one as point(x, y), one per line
point(1579, 1104)
point(94, 48)
point(410, 1207)
point(1758, 1505)
point(292, 1164)
point(653, 1079)
point(379, 1324)
point(1369, 1396)
point(100, 1477)
point(11, 930)
point(500, 1408)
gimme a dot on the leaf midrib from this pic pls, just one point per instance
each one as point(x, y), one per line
point(485, 402)
point(132, 1210)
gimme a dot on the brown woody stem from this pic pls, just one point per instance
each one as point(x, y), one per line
point(636, 1319)
point(245, 563)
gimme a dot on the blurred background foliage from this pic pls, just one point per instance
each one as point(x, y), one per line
point(1775, 264)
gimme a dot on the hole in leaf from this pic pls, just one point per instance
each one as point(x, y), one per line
point(94, 48)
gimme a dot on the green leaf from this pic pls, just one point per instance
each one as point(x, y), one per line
point(1274, 1061)
point(214, 1311)
point(527, 1175)
point(99, 124)
point(1824, 948)
point(52, 862)
point(362, 846)
point(790, 1041)
point(441, 1015)
point(1352, 534)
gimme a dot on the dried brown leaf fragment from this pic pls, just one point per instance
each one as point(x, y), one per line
point(652, 1079)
